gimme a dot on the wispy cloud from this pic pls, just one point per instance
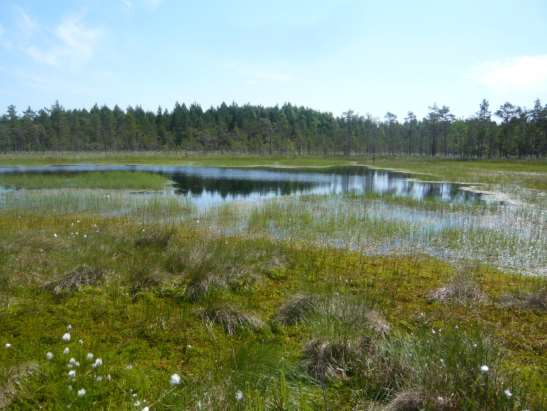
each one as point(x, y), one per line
point(524, 73)
point(77, 38)
point(50, 57)
point(127, 3)
point(73, 42)
point(26, 24)
point(152, 4)
point(4, 42)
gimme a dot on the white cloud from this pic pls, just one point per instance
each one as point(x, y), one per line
point(26, 23)
point(73, 43)
point(77, 38)
point(4, 42)
point(524, 73)
point(47, 56)
point(152, 4)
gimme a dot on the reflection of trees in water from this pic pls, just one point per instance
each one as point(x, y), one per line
point(233, 182)
point(365, 182)
point(196, 185)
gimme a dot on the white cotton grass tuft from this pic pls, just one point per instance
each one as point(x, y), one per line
point(81, 392)
point(89, 356)
point(72, 374)
point(98, 362)
point(49, 356)
point(239, 395)
point(146, 409)
point(69, 327)
point(175, 379)
point(66, 337)
point(7, 345)
point(99, 378)
point(508, 393)
point(484, 368)
point(66, 351)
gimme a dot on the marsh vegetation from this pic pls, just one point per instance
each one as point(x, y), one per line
point(352, 299)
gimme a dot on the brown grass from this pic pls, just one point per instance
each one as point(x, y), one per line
point(231, 319)
point(327, 360)
point(15, 376)
point(536, 300)
point(462, 289)
point(296, 309)
point(81, 276)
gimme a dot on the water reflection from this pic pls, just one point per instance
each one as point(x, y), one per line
point(210, 185)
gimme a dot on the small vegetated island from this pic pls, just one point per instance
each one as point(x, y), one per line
point(280, 258)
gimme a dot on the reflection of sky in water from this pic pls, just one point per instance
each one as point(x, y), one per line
point(207, 186)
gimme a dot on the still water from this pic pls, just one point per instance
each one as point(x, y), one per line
point(207, 186)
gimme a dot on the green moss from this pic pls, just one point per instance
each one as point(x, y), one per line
point(104, 180)
point(158, 330)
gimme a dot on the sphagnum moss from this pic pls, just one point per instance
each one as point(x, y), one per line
point(143, 337)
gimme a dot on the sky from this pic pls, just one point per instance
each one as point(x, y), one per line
point(368, 56)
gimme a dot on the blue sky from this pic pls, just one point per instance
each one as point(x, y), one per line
point(371, 56)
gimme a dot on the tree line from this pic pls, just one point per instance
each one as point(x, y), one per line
point(286, 129)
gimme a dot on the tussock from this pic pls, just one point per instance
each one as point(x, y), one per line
point(407, 401)
point(141, 279)
point(232, 320)
point(274, 266)
point(210, 265)
point(377, 322)
point(348, 310)
point(533, 301)
point(15, 378)
point(206, 278)
point(461, 289)
point(201, 284)
point(415, 400)
point(296, 309)
point(154, 237)
point(81, 276)
point(326, 360)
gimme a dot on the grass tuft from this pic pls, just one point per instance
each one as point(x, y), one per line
point(296, 309)
point(154, 237)
point(327, 360)
point(534, 300)
point(231, 319)
point(461, 289)
point(79, 277)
